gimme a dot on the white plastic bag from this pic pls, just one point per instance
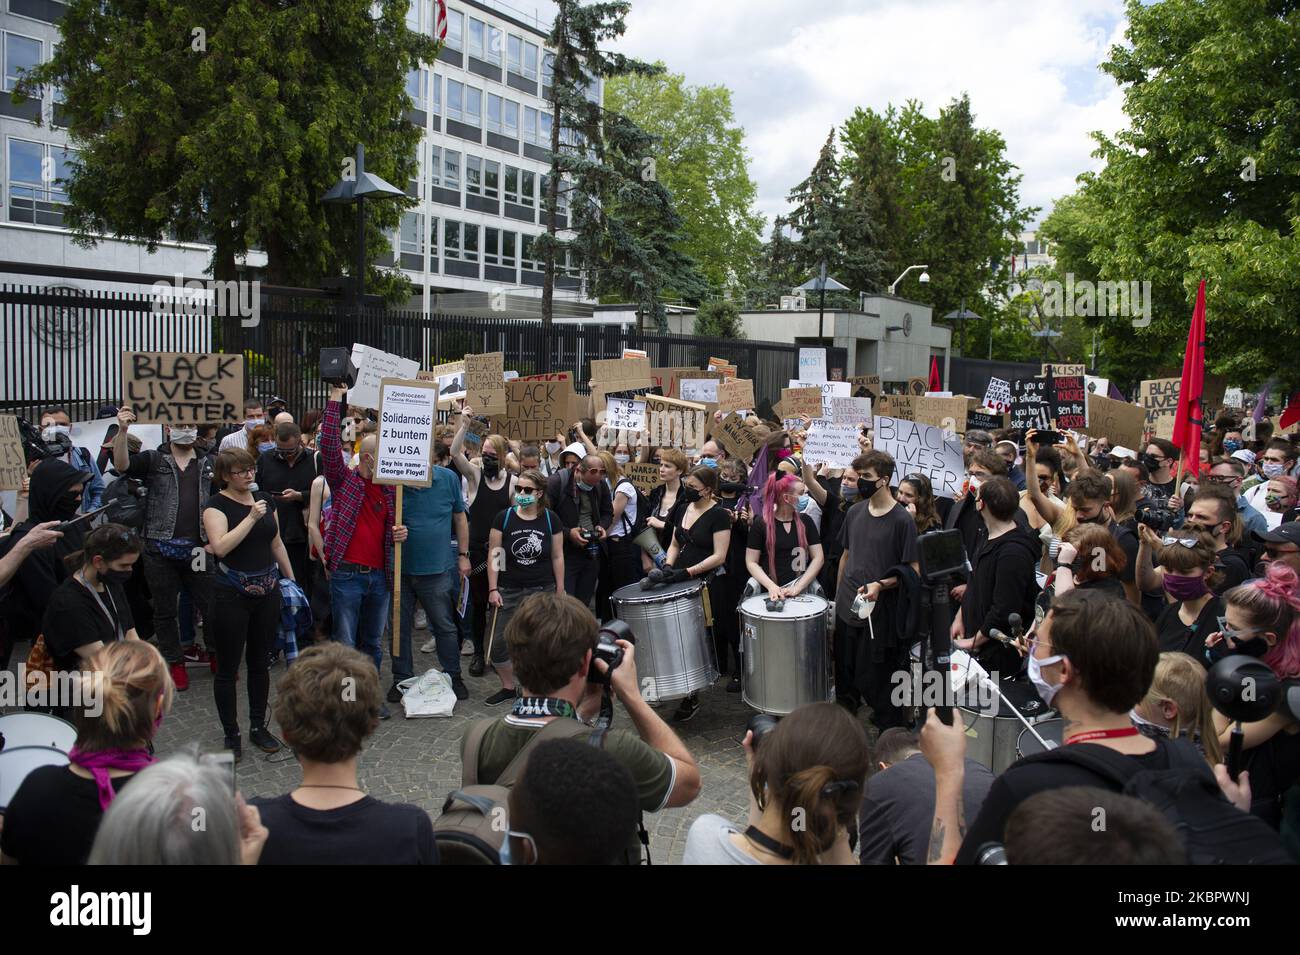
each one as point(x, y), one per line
point(428, 695)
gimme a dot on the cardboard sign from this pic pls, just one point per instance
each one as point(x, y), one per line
point(829, 390)
point(644, 475)
point(1233, 398)
point(1031, 406)
point(920, 447)
point(865, 386)
point(373, 366)
point(946, 413)
point(625, 414)
point(917, 386)
point(183, 387)
point(833, 444)
point(1065, 370)
point(450, 378)
point(485, 385)
point(812, 364)
point(735, 394)
point(854, 411)
point(553, 376)
point(408, 411)
point(797, 402)
point(1159, 397)
point(998, 395)
point(476, 429)
point(701, 390)
point(738, 440)
point(1070, 402)
point(896, 406)
point(619, 369)
point(674, 424)
point(982, 420)
point(634, 353)
point(536, 411)
point(624, 388)
point(13, 463)
point(1118, 421)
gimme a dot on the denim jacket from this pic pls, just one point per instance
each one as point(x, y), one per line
point(158, 472)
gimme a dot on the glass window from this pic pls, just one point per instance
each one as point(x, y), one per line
point(413, 233)
point(548, 69)
point(526, 252)
point(469, 251)
point(491, 238)
point(562, 198)
point(413, 182)
point(514, 54)
point(512, 184)
point(35, 189)
point(455, 29)
point(530, 60)
point(528, 180)
point(435, 165)
point(451, 170)
point(477, 29)
point(530, 124)
point(473, 175)
point(21, 53)
point(494, 112)
point(473, 106)
point(413, 15)
point(494, 45)
point(491, 179)
point(435, 85)
point(508, 249)
point(416, 82)
point(512, 119)
point(455, 99)
point(544, 129)
point(451, 239)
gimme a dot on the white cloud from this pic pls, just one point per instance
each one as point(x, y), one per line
point(797, 71)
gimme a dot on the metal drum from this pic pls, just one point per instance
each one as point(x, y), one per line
point(36, 729)
point(674, 655)
point(786, 653)
point(1050, 730)
point(18, 762)
point(993, 732)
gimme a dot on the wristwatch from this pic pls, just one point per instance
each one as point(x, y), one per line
point(463, 554)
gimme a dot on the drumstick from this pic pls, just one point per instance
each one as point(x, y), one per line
point(493, 632)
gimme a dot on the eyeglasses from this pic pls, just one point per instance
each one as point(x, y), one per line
point(1187, 542)
point(520, 489)
point(595, 470)
point(1220, 478)
point(1235, 635)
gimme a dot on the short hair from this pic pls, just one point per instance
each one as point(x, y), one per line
point(328, 702)
point(1225, 497)
point(976, 436)
point(1000, 497)
point(1238, 467)
point(577, 802)
point(530, 451)
point(1167, 448)
point(1276, 444)
point(251, 403)
point(675, 458)
point(1060, 827)
point(894, 744)
point(232, 461)
point(1143, 473)
point(1051, 458)
point(990, 461)
point(879, 461)
point(56, 410)
point(1089, 485)
point(152, 822)
point(129, 680)
point(1110, 643)
point(549, 638)
point(287, 431)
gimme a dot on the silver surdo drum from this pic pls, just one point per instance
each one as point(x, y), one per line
point(787, 658)
point(674, 655)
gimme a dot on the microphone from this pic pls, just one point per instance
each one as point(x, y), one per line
point(1017, 625)
point(999, 636)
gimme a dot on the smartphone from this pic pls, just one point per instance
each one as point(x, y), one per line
point(81, 518)
point(226, 761)
point(1044, 438)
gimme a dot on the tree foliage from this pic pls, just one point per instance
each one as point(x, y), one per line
point(719, 318)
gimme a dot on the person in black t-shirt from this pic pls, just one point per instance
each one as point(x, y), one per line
point(286, 474)
point(733, 494)
point(328, 819)
point(784, 553)
point(1187, 561)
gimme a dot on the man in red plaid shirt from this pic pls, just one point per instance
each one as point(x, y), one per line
point(359, 541)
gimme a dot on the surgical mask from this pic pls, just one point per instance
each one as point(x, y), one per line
point(251, 423)
point(266, 447)
point(1270, 469)
point(1185, 586)
point(1231, 445)
point(689, 494)
point(1046, 691)
point(974, 482)
point(552, 447)
point(1146, 727)
point(51, 432)
point(849, 492)
point(525, 500)
point(491, 467)
point(709, 463)
point(184, 436)
point(584, 486)
point(621, 459)
point(804, 500)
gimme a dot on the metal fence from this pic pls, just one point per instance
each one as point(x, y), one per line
point(66, 349)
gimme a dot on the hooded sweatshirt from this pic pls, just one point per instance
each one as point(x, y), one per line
point(1002, 583)
point(43, 570)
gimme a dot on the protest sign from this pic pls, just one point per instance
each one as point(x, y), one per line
point(833, 444)
point(701, 390)
point(450, 378)
point(1119, 421)
point(1097, 386)
point(735, 394)
point(476, 429)
point(946, 413)
point(896, 406)
point(619, 369)
point(625, 388)
point(536, 411)
point(485, 385)
point(644, 475)
point(553, 376)
point(183, 387)
point(917, 386)
point(373, 366)
point(672, 423)
point(738, 440)
point(797, 402)
point(985, 420)
point(510, 375)
point(829, 390)
point(854, 411)
point(13, 463)
point(865, 386)
point(1233, 398)
point(625, 414)
point(1031, 406)
point(1069, 402)
point(812, 364)
point(998, 395)
point(920, 447)
point(407, 413)
point(1159, 398)
point(634, 353)
point(1064, 370)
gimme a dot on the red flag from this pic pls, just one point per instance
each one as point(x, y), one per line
point(935, 383)
point(1187, 421)
point(1292, 413)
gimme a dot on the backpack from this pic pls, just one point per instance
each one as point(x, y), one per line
point(127, 497)
point(631, 529)
point(1213, 830)
point(471, 829)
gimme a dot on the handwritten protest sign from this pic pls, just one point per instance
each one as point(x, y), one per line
point(998, 395)
point(625, 413)
point(738, 440)
point(701, 390)
point(183, 387)
point(1070, 402)
point(485, 386)
point(644, 475)
point(1119, 421)
point(865, 386)
point(920, 447)
point(1065, 370)
point(735, 394)
point(833, 444)
point(812, 364)
point(408, 411)
point(535, 411)
point(553, 376)
point(796, 402)
point(1031, 406)
point(674, 424)
point(373, 366)
point(946, 413)
point(829, 390)
point(897, 406)
point(13, 463)
point(1159, 397)
point(602, 391)
point(476, 429)
point(619, 369)
point(854, 411)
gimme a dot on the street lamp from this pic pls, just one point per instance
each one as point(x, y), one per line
point(821, 284)
point(961, 315)
point(362, 186)
point(924, 278)
point(1046, 334)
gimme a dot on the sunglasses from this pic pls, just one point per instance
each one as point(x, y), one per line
point(1185, 541)
point(520, 489)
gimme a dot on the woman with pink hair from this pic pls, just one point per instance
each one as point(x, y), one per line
point(1262, 619)
point(784, 553)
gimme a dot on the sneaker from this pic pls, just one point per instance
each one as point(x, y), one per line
point(260, 737)
point(232, 743)
point(385, 713)
point(458, 687)
point(499, 697)
point(196, 656)
point(394, 694)
point(180, 677)
point(467, 648)
point(421, 619)
point(430, 646)
point(734, 685)
point(687, 710)
point(477, 665)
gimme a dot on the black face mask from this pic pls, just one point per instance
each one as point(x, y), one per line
point(1254, 647)
point(1151, 463)
point(734, 487)
point(115, 576)
point(689, 494)
point(867, 488)
point(491, 467)
point(286, 455)
point(67, 506)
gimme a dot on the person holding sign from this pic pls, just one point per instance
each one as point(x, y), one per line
point(784, 554)
point(245, 536)
point(525, 557)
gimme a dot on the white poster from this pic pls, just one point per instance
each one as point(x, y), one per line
point(812, 364)
point(373, 366)
point(1097, 386)
point(921, 447)
point(855, 411)
point(701, 390)
point(998, 395)
point(407, 413)
point(625, 414)
point(833, 444)
point(830, 389)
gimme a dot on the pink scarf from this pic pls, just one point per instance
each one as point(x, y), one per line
point(100, 762)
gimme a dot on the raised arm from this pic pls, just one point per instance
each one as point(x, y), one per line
point(814, 485)
point(463, 464)
point(1047, 509)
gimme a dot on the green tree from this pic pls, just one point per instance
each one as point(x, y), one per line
point(700, 158)
point(719, 318)
point(872, 166)
point(775, 273)
point(226, 122)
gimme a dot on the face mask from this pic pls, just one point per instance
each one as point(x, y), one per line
point(867, 488)
point(709, 463)
point(734, 487)
point(1274, 503)
point(491, 467)
point(67, 506)
point(184, 436)
point(286, 454)
point(266, 447)
point(689, 494)
point(783, 453)
point(1272, 469)
point(251, 423)
point(804, 500)
point(1046, 691)
point(552, 447)
point(1231, 445)
point(525, 500)
point(584, 486)
point(1146, 727)
point(1185, 587)
point(115, 576)
point(1254, 647)
point(621, 459)
point(52, 432)
point(1152, 464)
point(849, 492)
point(974, 483)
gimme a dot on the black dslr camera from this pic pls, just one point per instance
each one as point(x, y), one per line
point(608, 650)
point(1156, 515)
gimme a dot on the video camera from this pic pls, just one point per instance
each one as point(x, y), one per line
point(1246, 690)
point(336, 367)
point(1156, 515)
point(36, 448)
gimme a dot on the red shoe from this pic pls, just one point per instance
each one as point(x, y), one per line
point(196, 656)
point(180, 677)
point(212, 661)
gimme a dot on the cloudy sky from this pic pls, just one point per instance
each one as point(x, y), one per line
point(797, 69)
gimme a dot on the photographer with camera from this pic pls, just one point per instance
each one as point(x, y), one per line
point(56, 433)
point(561, 662)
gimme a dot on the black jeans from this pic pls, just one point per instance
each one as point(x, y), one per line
point(243, 626)
point(622, 566)
point(724, 595)
point(164, 578)
point(580, 573)
point(864, 672)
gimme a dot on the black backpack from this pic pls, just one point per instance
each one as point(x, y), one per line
point(126, 497)
point(1213, 830)
point(629, 528)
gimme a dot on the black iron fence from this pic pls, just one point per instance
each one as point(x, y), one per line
point(65, 347)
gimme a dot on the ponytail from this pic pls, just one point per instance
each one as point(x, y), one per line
point(109, 541)
point(777, 485)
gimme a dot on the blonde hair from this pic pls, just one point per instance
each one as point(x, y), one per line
point(611, 466)
point(1180, 680)
point(500, 446)
point(129, 678)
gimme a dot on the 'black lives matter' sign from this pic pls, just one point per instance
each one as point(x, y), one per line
point(183, 387)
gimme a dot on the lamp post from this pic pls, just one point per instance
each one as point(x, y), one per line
point(961, 315)
point(1046, 334)
point(356, 190)
point(924, 279)
point(821, 284)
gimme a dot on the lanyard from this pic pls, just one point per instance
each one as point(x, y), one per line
point(1102, 734)
point(112, 618)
